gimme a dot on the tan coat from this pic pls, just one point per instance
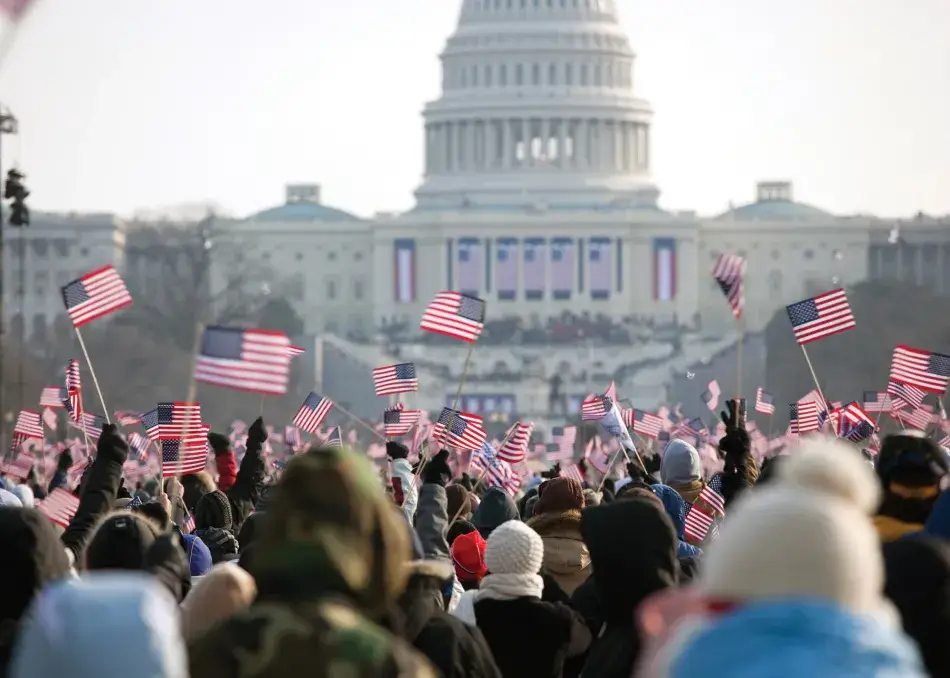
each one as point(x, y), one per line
point(566, 558)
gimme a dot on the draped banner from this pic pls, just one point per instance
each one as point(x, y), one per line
point(600, 267)
point(534, 268)
point(404, 267)
point(562, 267)
point(506, 267)
point(471, 253)
point(664, 269)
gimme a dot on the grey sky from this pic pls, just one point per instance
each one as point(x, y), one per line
point(129, 104)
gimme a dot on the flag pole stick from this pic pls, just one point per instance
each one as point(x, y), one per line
point(458, 395)
point(92, 371)
point(814, 377)
point(478, 480)
point(359, 421)
point(739, 359)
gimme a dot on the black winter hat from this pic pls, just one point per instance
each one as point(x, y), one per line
point(911, 461)
point(250, 530)
point(121, 542)
point(214, 510)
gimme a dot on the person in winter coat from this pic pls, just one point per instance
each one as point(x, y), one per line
point(33, 557)
point(248, 485)
point(405, 493)
point(676, 509)
point(495, 508)
point(214, 524)
point(102, 626)
point(225, 591)
point(910, 468)
point(632, 546)
point(918, 583)
point(794, 584)
point(682, 469)
point(456, 650)
point(527, 636)
point(331, 560)
point(739, 471)
point(557, 519)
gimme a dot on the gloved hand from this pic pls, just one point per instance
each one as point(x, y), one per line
point(123, 492)
point(396, 450)
point(733, 418)
point(257, 432)
point(467, 482)
point(437, 471)
point(553, 472)
point(637, 473)
point(220, 443)
point(112, 445)
point(65, 461)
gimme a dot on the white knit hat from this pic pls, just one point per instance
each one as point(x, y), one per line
point(808, 535)
point(514, 548)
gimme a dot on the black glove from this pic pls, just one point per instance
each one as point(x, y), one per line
point(735, 416)
point(396, 450)
point(123, 492)
point(220, 443)
point(553, 472)
point(637, 473)
point(257, 432)
point(437, 471)
point(65, 461)
point(112, 445)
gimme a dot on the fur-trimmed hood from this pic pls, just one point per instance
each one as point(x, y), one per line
point(566, 558)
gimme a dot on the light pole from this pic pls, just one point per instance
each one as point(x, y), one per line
point(8, 125)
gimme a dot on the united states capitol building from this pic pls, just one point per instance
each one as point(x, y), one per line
point(538, 197)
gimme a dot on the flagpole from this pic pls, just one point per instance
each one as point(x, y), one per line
point(739, 358)
point(359, 421)
point(92, 371)
point(824, 402)
point(477, 480)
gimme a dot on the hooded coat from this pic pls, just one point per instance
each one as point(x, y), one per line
point(330, 563)
point(496, 507)
point(632, 546)
point(566, 558)
point(676, 509)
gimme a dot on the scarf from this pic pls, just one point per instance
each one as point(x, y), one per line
point(498, 587)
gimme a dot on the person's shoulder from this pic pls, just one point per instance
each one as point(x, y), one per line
point(279, 637)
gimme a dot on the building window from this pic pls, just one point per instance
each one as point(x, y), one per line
point(40, 247)
point(775, 282)
point(331, 289)
point(296, 287)
point(519, 75)
point(331, 256)
point(358, 256)
point(809, 254)
point(61, 247)
point(503, 75)
point(474, 76)
point(358, 290)
point(552, 74)
point(597, 74)
point(488, 75)
point(299, 256)
point(610, 75)
point(536, 74)
point(569, 74)
point(775, 255)
point(463, 74)
point(84, 251)
point(585, 75)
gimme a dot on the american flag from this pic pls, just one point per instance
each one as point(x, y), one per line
point(923, 369)
point(821, 316)
point(294, 351)
point(764, 402)
point(646, 424)
point(711, 395)
point(59, 506)
point(515, 448)
point(393, 379)
point(708, 505)
point(497, 472)
point(875, 401)
point(53, 396)
point(91, 424)
point(178, 420)
point(455, 315)
point(139, 445)
point(596, 408)
point(20, 466)
point(919, 418)
point(184, 456)
point(563, 439)
point(573, 471)
point(244, 359)
point(398, 422)
point(28, 425)
point(729, 272)
point(855, 424)
point(150, 423)
point(803, 416)
point(73, 404)
point(459, 429)
point(334, 438)
point(127, 417)
point(187, 524)
point(312, 413)
point(95, 295)
point(903, 395)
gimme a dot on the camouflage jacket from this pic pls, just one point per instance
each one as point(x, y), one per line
point(322, 639)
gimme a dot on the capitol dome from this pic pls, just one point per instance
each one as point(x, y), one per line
point(537, 109)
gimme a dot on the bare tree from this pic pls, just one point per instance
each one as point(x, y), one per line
point(169, 273)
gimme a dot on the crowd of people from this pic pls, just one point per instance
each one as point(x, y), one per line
point(827, 563)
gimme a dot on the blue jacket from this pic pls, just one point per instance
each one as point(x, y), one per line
point(789, 639)
point(675, 507)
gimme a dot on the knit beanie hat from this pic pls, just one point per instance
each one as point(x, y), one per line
point(458, 528)
point(559, 495)
point(457, 497)
point(468, 557)
point(121, 542)
point(214, 510)
point(197, 554)
point(910, 462)
point(514, 548)
point(680, 464)
point(195, 485)
point(806, 535)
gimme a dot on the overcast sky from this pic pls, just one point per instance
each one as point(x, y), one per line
point(128, 104)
